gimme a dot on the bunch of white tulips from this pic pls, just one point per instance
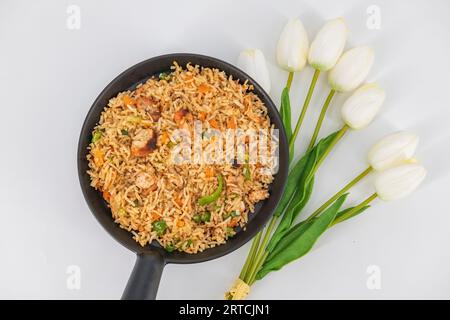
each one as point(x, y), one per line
point(396, 172)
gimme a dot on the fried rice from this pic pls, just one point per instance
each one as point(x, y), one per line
point(156, 199)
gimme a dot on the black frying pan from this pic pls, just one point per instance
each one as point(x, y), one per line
point(151, 259)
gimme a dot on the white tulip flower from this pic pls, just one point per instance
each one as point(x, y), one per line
point(399, 181)
point(351, 69)
point(328, 45)
point(362, 106)
point(253, 62)
point(293, 45)
point(392, 150)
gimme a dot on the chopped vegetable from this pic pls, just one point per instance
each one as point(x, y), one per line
point(170, 247)
point(230, 232)
point(204, 88)
point(213, 196)
point(127, 100)
point(231, 123)
point(124, 132)
point(171, 144)
point(231, 214)
point(179, 200)
point(247, 173)
point(233, 223)
point(96, 136)
point(209, 172)
point(165, 138)
point(179, 116)
point(201, 116)
point(187, 243)
point(136, 203)
point(160, 227)
point(98, 157)
point(214, 124)
point(206, 216)
point(180, 223)
point(134, 119)
point(164, 76)
point(197, 218)
point(107, 196)
point(122, 212)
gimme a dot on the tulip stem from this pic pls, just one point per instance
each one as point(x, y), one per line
point(262, 252)
point(351, 212)
point(320, 120)
point(303, 112)
point(251, 255)
point(289, 80)
point(340, 193)
point(259, 257)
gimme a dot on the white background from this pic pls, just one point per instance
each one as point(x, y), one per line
point(50, 75)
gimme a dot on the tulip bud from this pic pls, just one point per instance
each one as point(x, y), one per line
point(399, 181)
point(328, 45)
point(351, 69)
point(292, 48)
point(362, 106)
point(392, 150)
point(252, 62)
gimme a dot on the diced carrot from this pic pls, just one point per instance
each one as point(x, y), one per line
point(155, 216)
point(127, 100)
point(233, 223)
point(204, 88)
point(153, 187)
point(180, 223)
point(179, 200)
point(209, 172)
point(165, 138)
point(179, 116)
point(213, 123)
point(231, 123)
point(107, 196)
point(202, 116)
point(98, 157)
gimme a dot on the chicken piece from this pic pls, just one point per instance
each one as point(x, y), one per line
point(258, 195)
point(145, 180)
point(149, 106)
point(144, 143)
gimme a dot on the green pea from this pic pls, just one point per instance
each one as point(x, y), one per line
point(170, 247)
point(230, 232)
point(124, 132)
point(206, 217)
point(197, 218)
point(231, 214)
point(96, 136)
point(164, 76)
point(160, 227)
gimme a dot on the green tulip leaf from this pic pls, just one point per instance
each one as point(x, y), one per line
point(299, 240)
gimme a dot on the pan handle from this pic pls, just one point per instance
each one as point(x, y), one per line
point(144, 279)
